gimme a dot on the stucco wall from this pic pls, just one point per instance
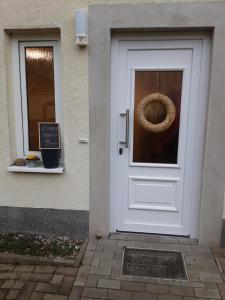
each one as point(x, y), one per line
point(70, 190)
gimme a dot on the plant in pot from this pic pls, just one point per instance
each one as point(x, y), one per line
point(31, 160)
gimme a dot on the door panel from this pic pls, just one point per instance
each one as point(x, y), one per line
point(163, 194)
point(151, 172)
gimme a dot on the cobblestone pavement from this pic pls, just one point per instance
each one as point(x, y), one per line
point(99, 276)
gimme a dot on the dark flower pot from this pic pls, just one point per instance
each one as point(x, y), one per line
point(50, 158)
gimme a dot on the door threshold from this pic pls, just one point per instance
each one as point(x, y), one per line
point(152, 237)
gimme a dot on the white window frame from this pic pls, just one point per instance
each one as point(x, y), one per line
point(20, 88)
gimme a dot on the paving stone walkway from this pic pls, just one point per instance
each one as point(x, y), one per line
point(99, 276)
point(25, 282)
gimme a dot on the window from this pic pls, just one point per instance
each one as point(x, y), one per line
point(37, 93)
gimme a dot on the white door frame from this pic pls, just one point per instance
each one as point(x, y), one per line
point(201, 112)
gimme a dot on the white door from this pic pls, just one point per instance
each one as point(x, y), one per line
point(155, 165)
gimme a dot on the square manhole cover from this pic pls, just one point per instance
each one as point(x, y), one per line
point(154, 263)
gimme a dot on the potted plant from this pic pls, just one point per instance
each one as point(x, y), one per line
point(31, 160)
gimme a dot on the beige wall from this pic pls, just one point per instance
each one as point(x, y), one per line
point(70, 190)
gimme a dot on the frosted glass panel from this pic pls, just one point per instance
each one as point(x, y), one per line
point(161, 147)
point(40, 90)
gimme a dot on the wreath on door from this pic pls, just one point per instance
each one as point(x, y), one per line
point(166, 112)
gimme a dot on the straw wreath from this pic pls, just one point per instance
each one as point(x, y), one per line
point(170, 112)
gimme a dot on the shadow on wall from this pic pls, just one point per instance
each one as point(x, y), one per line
point(222, 242)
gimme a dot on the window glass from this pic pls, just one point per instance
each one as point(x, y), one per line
point(157, 147)
point(39, 63)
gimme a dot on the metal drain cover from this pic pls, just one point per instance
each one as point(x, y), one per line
point(154, 263)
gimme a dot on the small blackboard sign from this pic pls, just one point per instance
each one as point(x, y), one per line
point(49, 135)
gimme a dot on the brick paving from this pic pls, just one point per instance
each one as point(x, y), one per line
point(99, 276)
point(36, 282)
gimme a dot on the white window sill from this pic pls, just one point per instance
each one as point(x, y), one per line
point(38, 169)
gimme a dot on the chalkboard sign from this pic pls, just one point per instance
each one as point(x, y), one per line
point(49, 135)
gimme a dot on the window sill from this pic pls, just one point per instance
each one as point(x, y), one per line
point(38, 169)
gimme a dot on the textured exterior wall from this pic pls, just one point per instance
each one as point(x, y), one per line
point(70, 190)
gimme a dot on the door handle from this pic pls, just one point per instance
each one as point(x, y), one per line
point(127, 115)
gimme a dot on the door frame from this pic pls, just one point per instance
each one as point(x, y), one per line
point(201, 112)
point(178, 17)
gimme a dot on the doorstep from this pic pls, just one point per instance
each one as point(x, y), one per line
point(155, 238)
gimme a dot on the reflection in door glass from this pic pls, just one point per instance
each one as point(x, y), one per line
point(156, 146)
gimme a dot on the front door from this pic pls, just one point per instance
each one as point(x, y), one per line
point(156, 134)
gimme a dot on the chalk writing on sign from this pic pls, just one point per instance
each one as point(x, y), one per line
point(49, 136)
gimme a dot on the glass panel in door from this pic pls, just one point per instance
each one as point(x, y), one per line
point(157, 146)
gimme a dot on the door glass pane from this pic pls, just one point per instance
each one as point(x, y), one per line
point(39, 63)
point(158, 144)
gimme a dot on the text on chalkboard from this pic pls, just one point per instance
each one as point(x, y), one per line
point(49, 136)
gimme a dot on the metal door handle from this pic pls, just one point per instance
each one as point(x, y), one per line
point(126, 142)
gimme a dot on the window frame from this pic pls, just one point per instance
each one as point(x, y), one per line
point(20, 89)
